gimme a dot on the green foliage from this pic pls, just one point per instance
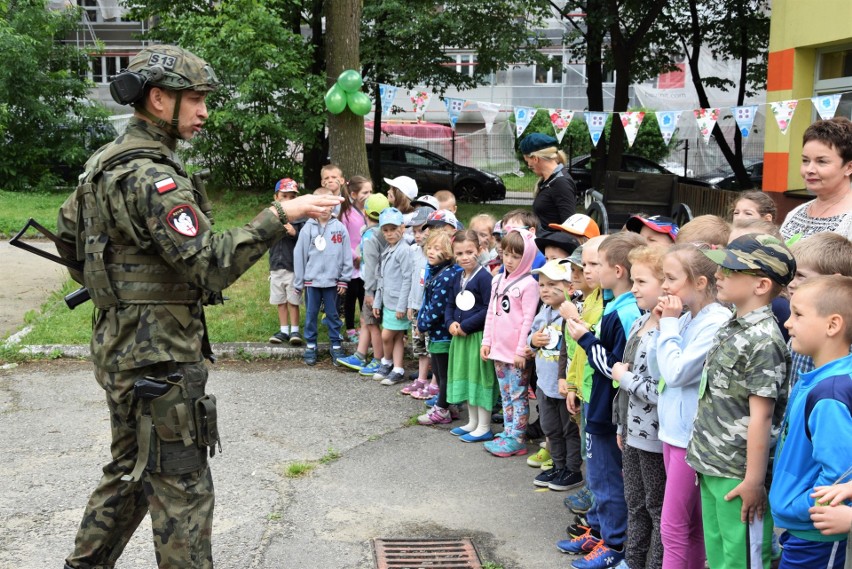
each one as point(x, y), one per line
point(298, 469)
point(47, 123)
point(330, 456)
point(270, 103)
point(16, 208)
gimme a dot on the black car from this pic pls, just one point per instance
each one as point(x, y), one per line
point(725, 179)
point(433, 172)
point(581, 170)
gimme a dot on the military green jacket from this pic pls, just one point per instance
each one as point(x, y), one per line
point(150, 208)
point(748, 357)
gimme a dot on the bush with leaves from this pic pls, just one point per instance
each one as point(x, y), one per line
point(48, 125)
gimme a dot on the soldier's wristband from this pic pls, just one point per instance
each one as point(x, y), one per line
point(282, 215)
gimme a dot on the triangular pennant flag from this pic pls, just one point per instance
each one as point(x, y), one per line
point(387, 93)
point(489, 113)
point(745, 118)
point(826, 105)
point(667, 121)
point(596, 123)
point(420, 100)
point(560, 119)
point(783, 113)
point(631, 121)
point(707, 119)
point(523, 116)
point(454, 109)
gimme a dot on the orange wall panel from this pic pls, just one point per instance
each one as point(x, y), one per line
point(779, 73)
point(775, 166)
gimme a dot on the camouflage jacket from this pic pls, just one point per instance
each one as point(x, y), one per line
point(748, 357)
point(150, 209)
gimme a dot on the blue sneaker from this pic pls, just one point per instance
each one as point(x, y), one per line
point(506, 446)
point(336, 354)
point(459, 431)
point(310, 356)
point(432, 401)
point(469, 438)
point(369, 369)
point(351, 362)
point(581, 501)
point(383, 372)
point(601, 557)
point(582, 544)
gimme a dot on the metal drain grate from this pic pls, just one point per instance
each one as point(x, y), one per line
point(425, 553)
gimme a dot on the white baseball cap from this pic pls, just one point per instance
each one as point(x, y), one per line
point(404, 184)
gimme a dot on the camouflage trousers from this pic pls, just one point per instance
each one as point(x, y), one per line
point(181, 506)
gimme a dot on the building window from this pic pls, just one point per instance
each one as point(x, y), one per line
point(549, 74)
point(466, 64)
point(90, 10)
point(834, 75)
point(106, 66)
point(92, 13)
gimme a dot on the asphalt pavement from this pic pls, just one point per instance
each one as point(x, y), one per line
point(381, 477)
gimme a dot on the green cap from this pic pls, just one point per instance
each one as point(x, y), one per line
point(763, 253)
point(174, 68)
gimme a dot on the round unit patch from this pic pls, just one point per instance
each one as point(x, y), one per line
point(183, 220)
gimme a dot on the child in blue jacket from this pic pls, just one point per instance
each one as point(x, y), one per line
point(431, 318)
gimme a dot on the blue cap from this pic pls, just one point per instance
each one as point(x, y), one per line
point(390, 216)
point(536, 141)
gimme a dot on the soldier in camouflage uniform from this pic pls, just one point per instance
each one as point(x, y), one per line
point(742, 398)
point(151, 262)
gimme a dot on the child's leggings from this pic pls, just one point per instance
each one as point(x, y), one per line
point(680, 524)
point(515, 398)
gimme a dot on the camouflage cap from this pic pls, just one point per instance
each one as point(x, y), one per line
point(174, 68)
point(757, 252)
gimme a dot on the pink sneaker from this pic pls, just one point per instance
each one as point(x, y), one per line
point(435, 416)
point(415, 385)
point(426, 392)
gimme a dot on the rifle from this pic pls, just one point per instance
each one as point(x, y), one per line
point(79, 296)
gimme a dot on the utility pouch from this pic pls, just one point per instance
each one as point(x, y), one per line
point(205, 424)
point(171, 414)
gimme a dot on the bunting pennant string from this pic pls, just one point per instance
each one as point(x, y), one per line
point(667, 123)
point(454, 109)
point(745, 118)
point(595, 122)
point(783, 112)
point(826, 105)
point(489, 113)
point(523, 116)
point(560, 119)
point(420, 100)
point(707, 119)
point(631, 121)
point(387, 93)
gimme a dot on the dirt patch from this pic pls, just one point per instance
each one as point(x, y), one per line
point(27, 282)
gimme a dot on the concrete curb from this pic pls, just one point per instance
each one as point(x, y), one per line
point(227, 351)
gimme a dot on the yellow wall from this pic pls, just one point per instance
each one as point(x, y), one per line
point(798, 29)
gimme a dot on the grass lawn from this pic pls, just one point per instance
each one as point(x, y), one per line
point(246, 317)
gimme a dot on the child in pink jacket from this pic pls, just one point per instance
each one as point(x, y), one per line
point(514, 300)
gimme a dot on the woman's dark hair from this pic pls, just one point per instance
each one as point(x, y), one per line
point(352, 186)
point(835, 132)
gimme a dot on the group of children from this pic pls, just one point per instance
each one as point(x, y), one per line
point(661, 352)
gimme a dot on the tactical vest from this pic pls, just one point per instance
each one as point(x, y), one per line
point(116, 272)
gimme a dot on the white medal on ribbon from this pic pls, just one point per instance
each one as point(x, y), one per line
point(465, 300)
point(319, 243)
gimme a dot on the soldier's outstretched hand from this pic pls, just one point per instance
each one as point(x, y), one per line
point(308, 205)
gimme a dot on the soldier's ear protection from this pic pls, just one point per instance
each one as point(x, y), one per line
point(128, 87)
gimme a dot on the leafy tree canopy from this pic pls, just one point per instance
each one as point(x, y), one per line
point(48, 125)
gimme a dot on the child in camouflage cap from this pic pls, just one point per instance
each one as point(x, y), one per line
point(741, 402)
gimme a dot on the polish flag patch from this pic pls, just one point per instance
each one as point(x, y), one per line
point(165, 185)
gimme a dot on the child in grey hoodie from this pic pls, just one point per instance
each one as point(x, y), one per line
point(391, 301)
point(323, 266)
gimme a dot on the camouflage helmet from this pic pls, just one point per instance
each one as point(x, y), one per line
point(174, 68)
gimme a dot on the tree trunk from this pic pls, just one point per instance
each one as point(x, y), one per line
point(316, 151)
point(595, 32)
point(345, 130)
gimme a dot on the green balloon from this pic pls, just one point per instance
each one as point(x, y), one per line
point(350, 80)
point(359, 103)
point(335, 100)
